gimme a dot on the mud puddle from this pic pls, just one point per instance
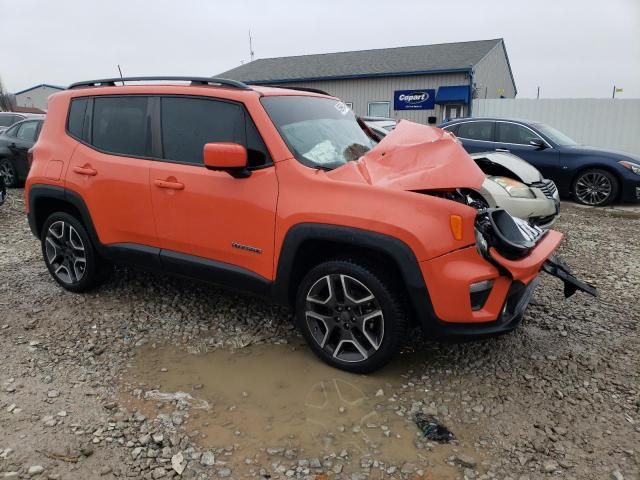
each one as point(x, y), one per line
point(266, 401)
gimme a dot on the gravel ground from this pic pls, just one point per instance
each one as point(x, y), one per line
point(558, 398)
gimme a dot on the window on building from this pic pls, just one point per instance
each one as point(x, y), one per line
point(27, 131)
point(189, 123)
point(119, 125)
point(513, 133)
point(349, 104)
point(379, 109)
point(476, 131)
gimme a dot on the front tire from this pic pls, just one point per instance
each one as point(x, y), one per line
point(69, 254)
point(350, 316)
point(595, 187)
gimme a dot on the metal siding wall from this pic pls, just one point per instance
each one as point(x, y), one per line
point(491, 73)
point(601, 122)
point(361, 91)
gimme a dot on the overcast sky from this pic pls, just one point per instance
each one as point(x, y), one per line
point(570, 48)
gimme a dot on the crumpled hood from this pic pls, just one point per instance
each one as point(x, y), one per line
point(414, 157)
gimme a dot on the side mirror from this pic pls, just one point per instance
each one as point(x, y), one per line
point(538, 143)
point(227, 156)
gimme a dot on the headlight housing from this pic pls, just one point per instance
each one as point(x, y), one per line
point(513, 187)
point(634, 167)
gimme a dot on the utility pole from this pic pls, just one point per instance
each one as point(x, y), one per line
point(251, 53)
point(538, 97)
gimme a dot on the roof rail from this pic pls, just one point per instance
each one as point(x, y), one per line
point(111, 82)
point(302, 89)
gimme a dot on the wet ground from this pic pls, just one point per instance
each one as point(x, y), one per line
point(266, 399)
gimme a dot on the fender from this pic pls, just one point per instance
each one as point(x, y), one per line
point(399, 252)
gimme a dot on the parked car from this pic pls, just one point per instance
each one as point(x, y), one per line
point(385, 123)
point(512, 184)
point(9, 118)
point(283, 194)
point(592, 176)
point(3, 190)
point(15, 142)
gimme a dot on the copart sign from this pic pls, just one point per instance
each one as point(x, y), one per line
point(414, 99)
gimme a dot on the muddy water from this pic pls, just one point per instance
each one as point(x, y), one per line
point(282, 396)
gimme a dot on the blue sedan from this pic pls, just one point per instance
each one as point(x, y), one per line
point(592, 176)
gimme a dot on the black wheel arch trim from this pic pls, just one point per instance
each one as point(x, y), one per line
point(396, 249)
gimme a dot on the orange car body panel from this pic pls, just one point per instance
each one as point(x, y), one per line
point(196, 211)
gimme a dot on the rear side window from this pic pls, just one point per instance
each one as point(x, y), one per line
point(76, 117)
point(476, 131)
point(6, 120)
point(119, 125)
point(27, 131)
point(189, 123)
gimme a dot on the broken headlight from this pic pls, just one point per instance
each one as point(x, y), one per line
point(513, 187)
point(512, 237)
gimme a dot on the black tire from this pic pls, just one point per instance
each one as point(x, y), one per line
point(9, 172)
point(595, 187)
point(339, 331)
point(64, 241)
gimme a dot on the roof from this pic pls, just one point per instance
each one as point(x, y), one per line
point(27, 110)
point(384, 62)
point(39, 86)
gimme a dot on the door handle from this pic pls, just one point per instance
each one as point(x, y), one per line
point(85, 170)
point(170, 184)
point(503, 150)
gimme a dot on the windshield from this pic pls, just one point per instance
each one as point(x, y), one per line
point(321, 132)
point(556, 136)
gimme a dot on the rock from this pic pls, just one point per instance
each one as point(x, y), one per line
point(157, 438)
point(53, 394)
point(144, 439)
point(207, 459)
point(35, 470)
point(158, 472)
point(550, 466)
point(177, 463)
point(380, 393)
point(465, 460)
point(617, 475)
point(135, 453)
point(224, 472)
point(408, 468)
point(106, 470)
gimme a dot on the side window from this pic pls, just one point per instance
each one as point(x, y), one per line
point(189, 123)
point(27, 131)
point(512, 133)
point(76, 117)
point(476, 131)
point(119, 125)
point(6, 120)
point(452, 128)
point(11, 132)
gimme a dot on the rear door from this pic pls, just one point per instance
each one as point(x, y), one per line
point(515, 138)
point(25, 138)
point(208, 218)
point(110, 167)
point(477, 136)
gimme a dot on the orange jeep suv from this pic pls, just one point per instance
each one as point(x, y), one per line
point(282, 193)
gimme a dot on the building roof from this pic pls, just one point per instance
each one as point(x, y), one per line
point(39, 86)
point(27, 110)
point(383, 62)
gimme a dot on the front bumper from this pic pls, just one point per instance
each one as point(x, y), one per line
point(512, 278)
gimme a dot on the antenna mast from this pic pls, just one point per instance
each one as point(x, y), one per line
point(251, 52)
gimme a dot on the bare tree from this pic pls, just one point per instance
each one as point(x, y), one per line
point(7, 101)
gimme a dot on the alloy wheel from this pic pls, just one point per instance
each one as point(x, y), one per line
point(593, 188)
point(6, 170)
point(65, 252)
point(344, 318)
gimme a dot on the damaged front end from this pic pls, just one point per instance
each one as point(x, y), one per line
point(503, 240)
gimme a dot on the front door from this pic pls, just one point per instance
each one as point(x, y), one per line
point(515, 138)
point(209, 218)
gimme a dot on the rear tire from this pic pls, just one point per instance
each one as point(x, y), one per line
point(595, 187)
point(350, 315)
point(69, 254)
point(9, 172)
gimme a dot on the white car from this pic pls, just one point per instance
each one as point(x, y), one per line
point(518, 187)
point(511, 183)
